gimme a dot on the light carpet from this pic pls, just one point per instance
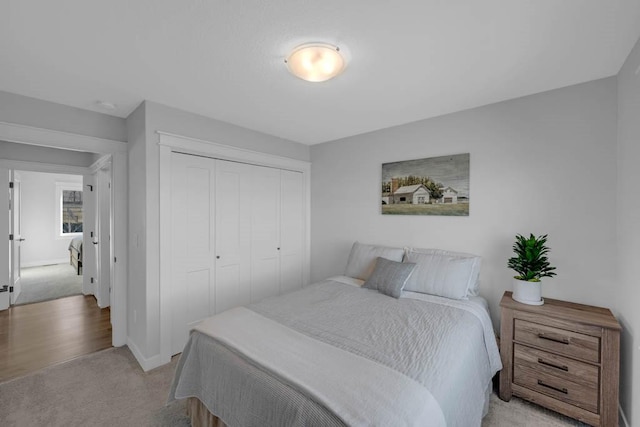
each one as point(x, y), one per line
point(48, 282)
point(109, 388)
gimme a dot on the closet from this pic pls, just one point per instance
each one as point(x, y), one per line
point(237, 236)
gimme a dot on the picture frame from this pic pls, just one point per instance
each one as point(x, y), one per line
point(428, 186)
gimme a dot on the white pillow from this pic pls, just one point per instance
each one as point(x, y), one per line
point(443, 273)
point(362, 259)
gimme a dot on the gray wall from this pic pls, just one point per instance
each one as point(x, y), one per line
point(137, 277)
point(40, 224)
point(144, 221)
point(43, 114)
point(628, 291)
point(541, 164)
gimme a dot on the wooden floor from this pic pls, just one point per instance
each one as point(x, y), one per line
point(34, 336)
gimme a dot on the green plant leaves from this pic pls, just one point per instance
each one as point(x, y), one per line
point(531, 262)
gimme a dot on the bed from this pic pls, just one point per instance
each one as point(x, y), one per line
point(75, 253)
point(340, 352)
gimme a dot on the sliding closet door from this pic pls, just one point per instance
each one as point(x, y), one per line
point(265, 232)
point(233, 234)
point(192, 244)
point(291, 230)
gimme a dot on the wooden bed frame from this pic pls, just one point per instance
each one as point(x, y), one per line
point(75, 260)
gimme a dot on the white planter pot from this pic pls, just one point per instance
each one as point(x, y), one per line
point(527, 292)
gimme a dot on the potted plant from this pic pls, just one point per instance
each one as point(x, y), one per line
point(531, 264)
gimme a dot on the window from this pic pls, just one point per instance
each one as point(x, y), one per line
point(71, 211)
point(69, 215)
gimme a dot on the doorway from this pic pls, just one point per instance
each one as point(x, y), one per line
point(59, 228)
point(39, 149)
point(46, 236)
point(52, 219)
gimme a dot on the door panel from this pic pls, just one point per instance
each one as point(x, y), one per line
point(5, 253)
point(291, 231)
point(16, 204)
point(89, 206)
point(265, 232)
point(233, 231)
point(102, 239)
point(192, 244)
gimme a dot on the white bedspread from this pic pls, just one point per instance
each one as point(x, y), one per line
point(336, 354)
point(327, 373)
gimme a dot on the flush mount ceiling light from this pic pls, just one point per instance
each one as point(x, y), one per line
point(315, 62)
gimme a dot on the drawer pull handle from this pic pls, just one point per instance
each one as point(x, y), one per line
point(559, 340)
point(544, 362)
point(561, 390)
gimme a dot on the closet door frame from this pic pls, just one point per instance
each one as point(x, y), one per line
point(169, 143)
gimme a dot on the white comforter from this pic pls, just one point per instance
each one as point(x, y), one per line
point(343, 355)
point(327, 373)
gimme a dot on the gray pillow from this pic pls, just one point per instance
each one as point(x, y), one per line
point(389, 277)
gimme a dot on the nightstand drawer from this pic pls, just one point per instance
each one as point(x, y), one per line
point(551, 364)
point(557, 340)
point(558, 388)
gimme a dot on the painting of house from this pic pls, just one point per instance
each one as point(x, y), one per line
point(430, 186)
point(414, 194)
point(449, 195)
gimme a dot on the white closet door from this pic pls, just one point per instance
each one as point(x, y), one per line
point(233, 234)
point(291, 230)
point(192, 245)
point(265, 232)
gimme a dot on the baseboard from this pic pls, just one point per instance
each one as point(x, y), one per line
point(622, 419)
point(146, 363)
point(45, 262)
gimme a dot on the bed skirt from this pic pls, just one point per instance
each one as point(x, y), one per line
point(200, 415)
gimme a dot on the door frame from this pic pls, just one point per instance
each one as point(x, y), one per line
point(168, 143)
point(102, 169)
point(30, 135)
point(15, 212)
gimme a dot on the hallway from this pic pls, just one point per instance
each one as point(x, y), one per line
point(37, 335)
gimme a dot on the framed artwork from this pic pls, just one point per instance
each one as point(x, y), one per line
point(431, 186)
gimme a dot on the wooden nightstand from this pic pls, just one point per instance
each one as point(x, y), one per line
point(563, 356)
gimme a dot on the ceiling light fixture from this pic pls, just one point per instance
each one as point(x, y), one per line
point(315, 62)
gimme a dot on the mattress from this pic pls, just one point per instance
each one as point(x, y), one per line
point(441, 349)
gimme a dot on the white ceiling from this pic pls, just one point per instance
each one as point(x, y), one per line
point(408, 60)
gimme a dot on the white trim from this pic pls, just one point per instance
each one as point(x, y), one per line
point(46, 262)
point(43, 167)
point(51, 138)
point(147, 363)
point(165, 251)
point(188, 145)
point(22, 134)
point(102, 162)
point(60, 187)
point(169, 143)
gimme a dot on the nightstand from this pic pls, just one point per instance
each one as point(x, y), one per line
point(563, 356)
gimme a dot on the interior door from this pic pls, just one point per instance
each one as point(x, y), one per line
point(192, 244)
point(291, 230)
point(5, 253)
point(89, 206)
point(233, 234)
point(102, 237)
point(265, 232)
point(15, 215)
